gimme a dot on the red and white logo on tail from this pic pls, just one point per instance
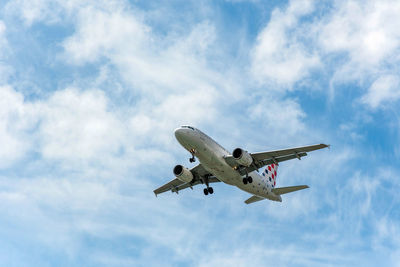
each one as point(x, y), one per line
point(270, 174)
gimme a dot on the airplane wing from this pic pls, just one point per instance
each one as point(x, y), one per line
point(176, 185)
point(261, 159)
point(289, 189)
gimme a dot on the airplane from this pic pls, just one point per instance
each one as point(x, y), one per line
point(240, 169)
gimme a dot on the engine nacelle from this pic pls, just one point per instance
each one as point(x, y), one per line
point(183, 173)
point(242, 157)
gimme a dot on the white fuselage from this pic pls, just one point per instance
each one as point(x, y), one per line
point(212, 157)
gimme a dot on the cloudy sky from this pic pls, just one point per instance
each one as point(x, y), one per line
point(91, 92)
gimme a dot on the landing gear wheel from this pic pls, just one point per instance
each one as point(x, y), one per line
point(245, 180)
point(210, 190)
point(250, 180)
point(205, 191)
point(192, 151)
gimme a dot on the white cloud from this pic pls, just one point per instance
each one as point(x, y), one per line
point(51, 11)
point(364, 39)
point(104, 32)
point(279, 115)
point(78, 126)
point(5, 70)
point(34, 10)
point(291, 255)
point(3, 40)
point(367, 30)
point(279, 57)
point(15, 119)
point(387, 233)
point(192, 107)
point(147, 61)
point(367, 187)
point(170, 77)
point(385, 89)
point(54, 212)
point(355, 41)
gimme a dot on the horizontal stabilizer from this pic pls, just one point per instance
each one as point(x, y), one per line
point(253, 199)
point(289, 189)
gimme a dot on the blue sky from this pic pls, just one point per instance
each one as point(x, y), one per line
point(91, 91)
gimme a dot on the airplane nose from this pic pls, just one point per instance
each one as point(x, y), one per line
point(179, 133)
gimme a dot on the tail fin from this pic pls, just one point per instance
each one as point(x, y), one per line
point(253, 199)
point(271, 172)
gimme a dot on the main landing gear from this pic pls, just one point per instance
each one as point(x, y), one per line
point(192, 159)
point(208, 190)
point(247, 179)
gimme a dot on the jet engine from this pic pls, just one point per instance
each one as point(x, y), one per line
point(242, 157)
point(183, 173)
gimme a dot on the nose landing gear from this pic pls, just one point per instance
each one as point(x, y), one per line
point(192, 151)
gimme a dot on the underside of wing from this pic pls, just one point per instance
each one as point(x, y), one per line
point(175, 185)
point(172, 185)
point(286, 152)
point(253, 199)
point(289, 189)
point(261, 159)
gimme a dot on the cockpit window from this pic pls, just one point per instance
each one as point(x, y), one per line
point(189, 127)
